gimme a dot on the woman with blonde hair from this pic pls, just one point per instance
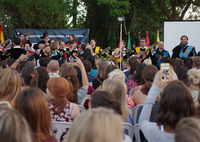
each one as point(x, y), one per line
point(101, 75)
point(10, 85)
point(194, 84)
point(32, 104)
point(98, 124)
point(187, 130)
point(13, 126)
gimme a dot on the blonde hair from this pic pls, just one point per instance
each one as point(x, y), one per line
point(10, 85)
point(187, 130)
point(193, 77)
point(148, 62)
point(13, 126)
point(118, 75)
point(116, 88)
point(102, 125)
point(125, 64)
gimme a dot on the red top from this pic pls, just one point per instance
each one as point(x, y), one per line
point(90, 91)
point(132, 84)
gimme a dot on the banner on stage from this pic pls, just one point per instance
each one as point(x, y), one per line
point(82, 35)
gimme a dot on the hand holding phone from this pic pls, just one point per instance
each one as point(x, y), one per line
point(165, 71)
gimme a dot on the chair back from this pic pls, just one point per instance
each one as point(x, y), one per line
point(84, 99)
point(135, 110)
point(130, 129)
point(60, 127)
point(130, 110)
point(130, 93)
point(137, 133)
point(81, 108)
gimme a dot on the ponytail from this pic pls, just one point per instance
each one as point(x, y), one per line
point(30, 76)
point(34, 81)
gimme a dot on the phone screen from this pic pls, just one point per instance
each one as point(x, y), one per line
point(71, 59)
point(165, 72)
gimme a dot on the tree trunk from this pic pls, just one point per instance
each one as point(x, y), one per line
point(74, 9)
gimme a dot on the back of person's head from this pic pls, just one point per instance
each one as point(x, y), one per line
point(133, 69)
point(44, 61)
point(13, 126)
point(181, 72)
point(125, 64)
point(10, 61)
point(22, 65)
point(4, 64)
point(188, 62)
point(54, 46)
point(118, 75)
point(187, 130)
point(79, 76)
point(176, 103)
point(132, 60)
point(59, 88)
point(105, 99)
point(172, 63)
point(179, 63)
point(30, 76)
point(17, 41)
point(147, 62)
point(32, 104)
point(43, 78)
point(10, 85)
point(101, 74)
point(102, 124)
point(196, 61)
point(88, 66)
point(148, 75)
point(167, 59)
point(116, 88)
point(53, 66)
point(70, 74)
point(193, 76)
point(92, 61)
point(114, 61)
point(63, 67)
point(109, 69)
point(30, 64)
point(138, 75)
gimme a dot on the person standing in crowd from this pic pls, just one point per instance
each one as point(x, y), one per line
point(183, 50)
point(88, 67)
point(14, 52)
point(53, 68)
point(161, 53)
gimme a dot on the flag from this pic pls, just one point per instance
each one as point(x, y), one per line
point(8, 36)
point(157, 39)
point(147, 40)
point(129, 41)
point(2, 35)
point(119, 41)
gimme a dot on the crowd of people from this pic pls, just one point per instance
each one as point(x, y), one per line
point(47, 82)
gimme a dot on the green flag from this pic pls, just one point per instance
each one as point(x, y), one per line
point(129, 41)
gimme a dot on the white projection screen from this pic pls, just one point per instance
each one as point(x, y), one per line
point(173, 30)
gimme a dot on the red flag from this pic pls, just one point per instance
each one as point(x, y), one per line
point(119, 41)
point(147, 40)
point(1, 35)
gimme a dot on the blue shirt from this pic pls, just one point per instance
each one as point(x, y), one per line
point(90, 77)
point(93, 72)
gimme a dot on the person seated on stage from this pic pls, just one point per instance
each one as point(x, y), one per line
point(161, 53)
point(96, 49)
point(62, 46)
point(73, 39)
point(143, 48)
point(88, 67)
point(53, 68)
point(183, 50)
point(116, 52)
point(14, 52)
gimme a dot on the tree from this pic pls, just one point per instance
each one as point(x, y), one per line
point(37, 13)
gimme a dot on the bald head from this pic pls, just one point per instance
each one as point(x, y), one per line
point(161, 45)
point(53, 66)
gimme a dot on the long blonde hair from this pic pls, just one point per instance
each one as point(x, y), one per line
point(13, 126)
point(10, 85)
point(102, 125)
point(118, 75)
point(116, 88)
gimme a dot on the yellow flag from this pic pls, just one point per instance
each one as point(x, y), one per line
point(157, 39)
point(2, 36)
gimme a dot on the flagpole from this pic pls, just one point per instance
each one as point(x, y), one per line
point(3, 21)
point(120, 45)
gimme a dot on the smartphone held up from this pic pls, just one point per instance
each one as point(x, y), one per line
point(165, 71)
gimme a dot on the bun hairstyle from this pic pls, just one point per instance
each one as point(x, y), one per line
point(30, 76)
point(148, 75)
point(105, 99)
point(193, 77)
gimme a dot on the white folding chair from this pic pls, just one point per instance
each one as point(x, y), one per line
point(130, 93)
point(81, 108)
point(130, 129)
point(83, 101)
point(135, 110)
point(137, 133)
point(130, 110)
point(60, 127)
